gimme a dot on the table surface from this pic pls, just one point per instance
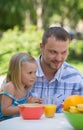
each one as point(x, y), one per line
point(58, 122)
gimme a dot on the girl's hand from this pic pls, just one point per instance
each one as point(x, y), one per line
point(34, 100)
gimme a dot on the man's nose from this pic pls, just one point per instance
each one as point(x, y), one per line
point(59, 57)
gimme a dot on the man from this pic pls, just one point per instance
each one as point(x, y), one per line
point(55, 77)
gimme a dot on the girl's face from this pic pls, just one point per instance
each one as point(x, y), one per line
point(28, 73)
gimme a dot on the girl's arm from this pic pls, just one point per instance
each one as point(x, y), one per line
point(6, 102)
point(32, 99)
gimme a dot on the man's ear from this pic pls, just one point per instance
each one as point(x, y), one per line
point(41, 46)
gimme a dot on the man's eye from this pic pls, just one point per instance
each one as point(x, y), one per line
point(53, 52)
point(64, 52)
point(30, 73)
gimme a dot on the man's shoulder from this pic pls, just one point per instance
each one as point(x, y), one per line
point(70, 72)
point(37, 58)
point(69, 68)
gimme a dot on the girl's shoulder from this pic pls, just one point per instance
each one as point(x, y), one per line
point(9, 87)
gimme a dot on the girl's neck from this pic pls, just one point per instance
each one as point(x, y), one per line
point(21, 92)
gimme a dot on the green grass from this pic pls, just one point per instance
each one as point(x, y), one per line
point(77, 64)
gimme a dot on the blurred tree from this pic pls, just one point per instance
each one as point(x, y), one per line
point(69, 10)
point(11, 13)
point(39, 12)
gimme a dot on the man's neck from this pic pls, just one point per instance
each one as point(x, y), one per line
point(49, 73)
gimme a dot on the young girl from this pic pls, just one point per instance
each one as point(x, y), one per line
point(20, 79)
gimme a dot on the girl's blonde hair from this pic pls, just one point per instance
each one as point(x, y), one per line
point(14, 70)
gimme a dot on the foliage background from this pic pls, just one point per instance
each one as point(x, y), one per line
point(22, 23)
point(40, 13)
point(14, 40)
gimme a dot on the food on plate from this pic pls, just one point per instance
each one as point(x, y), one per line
point(72, 100)
point(73, 109)
point(79, 107)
